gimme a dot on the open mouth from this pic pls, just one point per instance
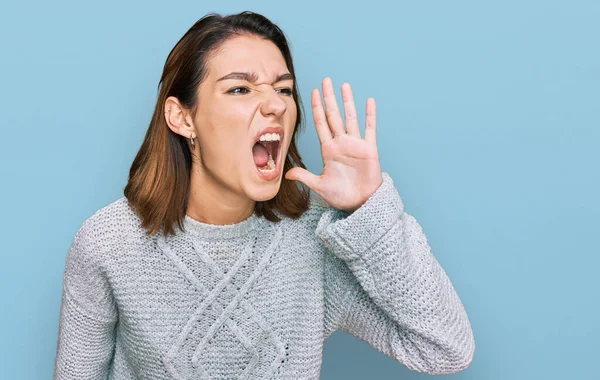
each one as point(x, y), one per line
point(265, 154)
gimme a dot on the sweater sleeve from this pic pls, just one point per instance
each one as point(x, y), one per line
point(87, 313)
point(384, 286)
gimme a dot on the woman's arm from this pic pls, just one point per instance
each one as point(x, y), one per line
point(87, 314)
point(384, 286)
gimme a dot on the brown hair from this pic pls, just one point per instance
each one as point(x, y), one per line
point(159, 178)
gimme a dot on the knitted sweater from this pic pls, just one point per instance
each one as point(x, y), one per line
point(255, 299)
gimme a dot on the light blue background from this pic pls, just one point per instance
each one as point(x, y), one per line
point(488, 121)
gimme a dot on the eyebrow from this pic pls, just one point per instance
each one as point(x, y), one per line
point(253, 78)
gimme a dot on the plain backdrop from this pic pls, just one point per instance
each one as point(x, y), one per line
point(488, 122)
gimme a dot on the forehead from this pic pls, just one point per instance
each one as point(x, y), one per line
point(247, 54)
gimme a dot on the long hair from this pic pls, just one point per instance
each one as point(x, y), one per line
point(159, 178)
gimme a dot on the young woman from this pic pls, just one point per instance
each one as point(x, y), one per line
point(219, 263)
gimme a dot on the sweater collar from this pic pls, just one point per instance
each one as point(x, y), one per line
point(217, 231)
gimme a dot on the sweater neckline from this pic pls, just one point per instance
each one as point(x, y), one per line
point(206, 230)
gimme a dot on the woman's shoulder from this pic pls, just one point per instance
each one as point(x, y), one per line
point(118, 209)
point(111, 224)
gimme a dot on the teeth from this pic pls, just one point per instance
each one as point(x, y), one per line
point(270, 166)
point(270, 137)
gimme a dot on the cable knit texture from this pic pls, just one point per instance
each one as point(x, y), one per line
point(255, 299)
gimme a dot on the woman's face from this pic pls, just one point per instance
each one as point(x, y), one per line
point(246, 90)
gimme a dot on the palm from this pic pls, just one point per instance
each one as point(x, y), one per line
point(351, 169)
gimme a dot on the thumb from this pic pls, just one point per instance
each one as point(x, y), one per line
point(304, 176)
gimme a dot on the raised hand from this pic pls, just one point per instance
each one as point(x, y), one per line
point(351, 169)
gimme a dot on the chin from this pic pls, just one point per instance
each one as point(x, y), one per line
point(264, 192)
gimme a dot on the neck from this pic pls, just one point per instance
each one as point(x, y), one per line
point(211, 202)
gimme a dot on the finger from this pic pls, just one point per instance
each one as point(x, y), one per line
point(332, 112)
point(350, 111)
point(319, 117)
point(299, 174)
point(371, 121)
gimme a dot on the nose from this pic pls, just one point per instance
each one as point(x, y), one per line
point(272, 103)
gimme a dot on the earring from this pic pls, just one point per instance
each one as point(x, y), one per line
point(192, 140)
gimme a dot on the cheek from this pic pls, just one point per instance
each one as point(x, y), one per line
point(229, 110)
point(290, 112)
point(220, 156)
point(291, 116)
point(226, 145)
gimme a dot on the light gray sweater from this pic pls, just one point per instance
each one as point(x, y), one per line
point(256, 299)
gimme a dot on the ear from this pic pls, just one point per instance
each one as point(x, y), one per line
point(178, 118)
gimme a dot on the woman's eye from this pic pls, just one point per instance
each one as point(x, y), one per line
point(287, 91)
point(233, 90)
